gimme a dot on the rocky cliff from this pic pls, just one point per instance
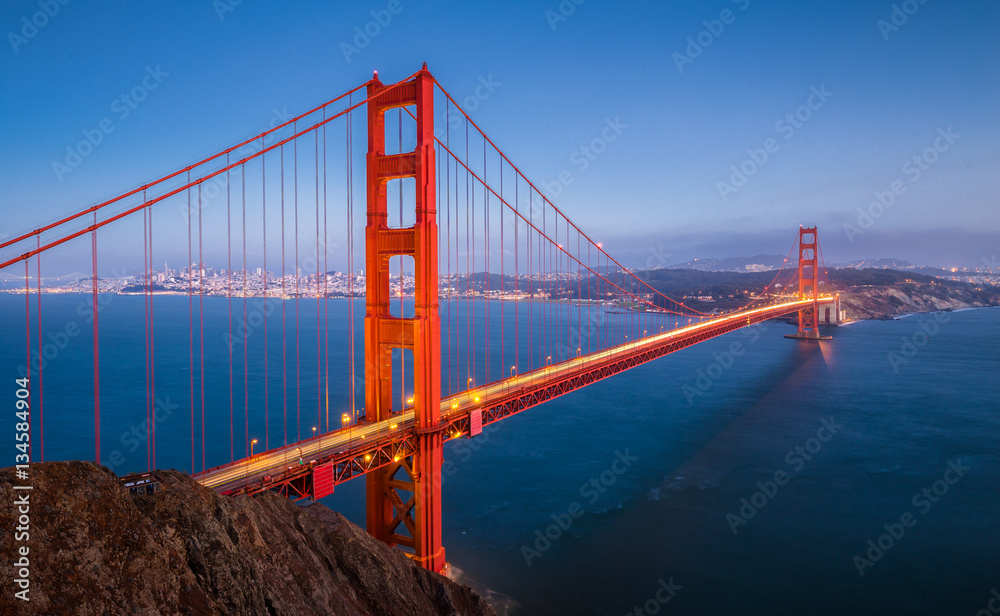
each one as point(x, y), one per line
point(898, 299)
point(97, 550)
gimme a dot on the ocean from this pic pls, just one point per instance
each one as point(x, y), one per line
point(855, 476)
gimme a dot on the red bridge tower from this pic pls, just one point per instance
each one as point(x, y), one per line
point(389, 505)
point(809, 286)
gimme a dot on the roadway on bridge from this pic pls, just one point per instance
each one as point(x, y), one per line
point(322, 446)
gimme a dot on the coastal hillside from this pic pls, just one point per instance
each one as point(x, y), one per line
point(864, 293)
point(97, 550)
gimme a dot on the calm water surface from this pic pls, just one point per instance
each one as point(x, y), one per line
point(704, 482)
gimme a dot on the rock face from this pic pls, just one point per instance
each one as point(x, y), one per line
point(878, 302)
point(98, 550)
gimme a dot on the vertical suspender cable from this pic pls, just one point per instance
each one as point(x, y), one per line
point(284, 298)
point(517, 279)
point(97, 355)
point(152, 333)
point(145, 297)
point(246, 350)
point(295, 202)
point(319, 348)
point(190, 274)
point(402, 312)
point(349, 145)
point(468, 269)
point(38, 318)
point(27, 343)
point(201, 325)
point(486, 270)
point(447, 234)
point(229, 302)
point(528, 271)
point(263, 207)
point(326, 289)
point(437, 240)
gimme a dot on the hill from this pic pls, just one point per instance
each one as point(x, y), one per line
point(865, 293)
point(98, 550)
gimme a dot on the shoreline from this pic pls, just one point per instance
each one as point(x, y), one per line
point(900, 317)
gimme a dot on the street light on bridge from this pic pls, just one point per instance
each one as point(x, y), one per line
point(512, 369)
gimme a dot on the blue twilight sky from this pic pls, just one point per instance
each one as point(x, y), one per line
point(886, 82)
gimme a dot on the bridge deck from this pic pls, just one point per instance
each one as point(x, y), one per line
point(365, 447)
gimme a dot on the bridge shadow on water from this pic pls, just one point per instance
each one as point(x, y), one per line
point(704, 507)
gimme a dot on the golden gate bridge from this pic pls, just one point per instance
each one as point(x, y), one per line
point(454, 210)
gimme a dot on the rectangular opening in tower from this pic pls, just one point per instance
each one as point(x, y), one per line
point(400, 130)
point(401, 206)
point(402, 379)
point(401, 286)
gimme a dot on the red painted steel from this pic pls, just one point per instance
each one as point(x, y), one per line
point(494, 402)
point(475, 422)
point(808, 283)
point(322, 481)
point(170, 193)
point(420, 514)
point(400, 449)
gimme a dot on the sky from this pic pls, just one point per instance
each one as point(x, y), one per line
point(738, 120)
